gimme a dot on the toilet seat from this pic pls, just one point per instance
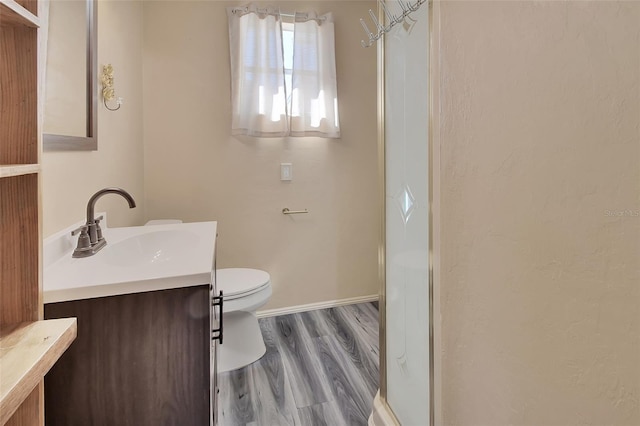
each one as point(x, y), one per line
point(236, 283)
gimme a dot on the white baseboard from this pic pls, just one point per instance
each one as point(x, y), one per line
point(314, 306)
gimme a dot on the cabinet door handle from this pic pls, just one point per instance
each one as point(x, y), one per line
point(218, 332)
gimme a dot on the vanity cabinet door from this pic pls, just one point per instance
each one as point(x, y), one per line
point(139, 359)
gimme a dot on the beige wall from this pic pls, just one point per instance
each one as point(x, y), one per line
point(540, 150)
point(70, 178)
point(195, 170)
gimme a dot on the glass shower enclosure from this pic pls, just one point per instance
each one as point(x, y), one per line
point(405, 308)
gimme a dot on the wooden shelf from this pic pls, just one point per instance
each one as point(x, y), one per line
point(27, 352)
point(12, 13)
point(19, 101)
point(28, 346)
point(18, 170)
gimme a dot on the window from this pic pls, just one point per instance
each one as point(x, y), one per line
point(283, 74)
point(287, 51)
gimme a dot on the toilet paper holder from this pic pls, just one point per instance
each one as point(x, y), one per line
point(287, 211)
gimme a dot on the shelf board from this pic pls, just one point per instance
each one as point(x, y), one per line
point(12, 13)
point(18, 170)
point(27, 351)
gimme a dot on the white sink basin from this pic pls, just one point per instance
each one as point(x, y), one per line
point(151, 248)
point(135, 259)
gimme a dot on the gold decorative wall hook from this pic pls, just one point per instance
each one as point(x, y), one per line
point(108, 92)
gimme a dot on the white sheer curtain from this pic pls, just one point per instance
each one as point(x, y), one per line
point(314, 97)
point(259, 106)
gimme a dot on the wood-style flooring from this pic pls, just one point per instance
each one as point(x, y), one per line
point(321, 368)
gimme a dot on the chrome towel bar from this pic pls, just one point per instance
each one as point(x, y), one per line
point(287, 211)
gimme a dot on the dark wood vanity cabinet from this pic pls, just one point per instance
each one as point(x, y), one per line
point(139, 359)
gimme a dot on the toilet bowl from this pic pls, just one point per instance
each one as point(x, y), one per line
point(244, 290)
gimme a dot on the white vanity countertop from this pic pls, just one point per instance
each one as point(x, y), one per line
point(135, 259)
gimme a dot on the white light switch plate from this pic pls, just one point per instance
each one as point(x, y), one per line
point(286, 171)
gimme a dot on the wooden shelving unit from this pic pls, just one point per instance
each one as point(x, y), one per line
point(29, 346)
point(14, 13)
point(28, 351)
point(18, 170)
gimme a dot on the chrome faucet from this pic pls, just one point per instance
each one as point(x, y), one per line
point(91, 240)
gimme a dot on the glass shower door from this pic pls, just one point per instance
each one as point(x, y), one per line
point(407, 217)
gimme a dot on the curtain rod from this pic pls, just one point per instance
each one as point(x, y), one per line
point(406, 7)
point(274, 12)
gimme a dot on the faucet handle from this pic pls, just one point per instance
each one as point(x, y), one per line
point(99, 218)
point(84, 243)
point(83, 228)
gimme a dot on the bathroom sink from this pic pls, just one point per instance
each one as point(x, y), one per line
point(135, 259)
point(151, 248)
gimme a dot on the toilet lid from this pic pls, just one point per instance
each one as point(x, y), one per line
point(240, 281)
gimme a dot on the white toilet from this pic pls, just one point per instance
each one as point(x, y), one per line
point(244, 291)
